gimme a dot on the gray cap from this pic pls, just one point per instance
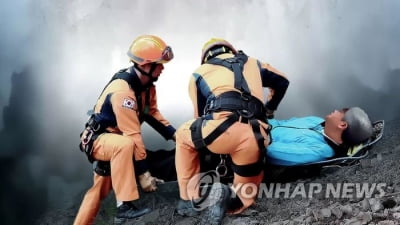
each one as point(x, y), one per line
point(359, 127)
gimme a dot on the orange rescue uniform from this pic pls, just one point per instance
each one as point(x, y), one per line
point(121, 108)
point(238, 140)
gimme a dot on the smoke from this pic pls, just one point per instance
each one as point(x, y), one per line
point(335, 53)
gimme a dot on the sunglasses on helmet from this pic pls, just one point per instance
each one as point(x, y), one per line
point(166, 55)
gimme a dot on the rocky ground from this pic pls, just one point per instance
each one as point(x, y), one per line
point(380, 171)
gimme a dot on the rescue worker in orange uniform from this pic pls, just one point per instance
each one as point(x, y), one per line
point(230, 118)
point(113, 132)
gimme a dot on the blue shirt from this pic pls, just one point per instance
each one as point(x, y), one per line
point(297, 141)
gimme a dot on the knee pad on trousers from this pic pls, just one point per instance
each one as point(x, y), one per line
point(248, 170)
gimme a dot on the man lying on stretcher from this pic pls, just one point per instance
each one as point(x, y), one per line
point(295, 141)
point(310, 139)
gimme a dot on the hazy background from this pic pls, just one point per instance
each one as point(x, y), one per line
point(56, 57)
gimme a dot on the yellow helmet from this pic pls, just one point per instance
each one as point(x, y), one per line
point(149, 49)
point(213, 42)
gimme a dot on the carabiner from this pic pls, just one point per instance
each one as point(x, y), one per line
point(87, 137)
point(222, 169)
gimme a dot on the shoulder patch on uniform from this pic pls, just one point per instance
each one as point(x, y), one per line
point(129, 103)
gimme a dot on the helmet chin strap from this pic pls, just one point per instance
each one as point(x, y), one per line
point(148, 74)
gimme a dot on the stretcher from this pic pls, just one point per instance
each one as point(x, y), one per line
point(357, 152)
point(354, 154)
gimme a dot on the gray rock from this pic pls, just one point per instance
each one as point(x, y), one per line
point(375, 204)
point(386, 212)
point(364, 217)
point(309, 220)
point(386, 222)
point(389, 189)
point(316, 214)
point(396, 215)
point(379, 216)
point(365, 204)
point(298, 220)
point(337, 212)
point(309, 212)
point(347, 209)
point(396, 209)
point(326, 212)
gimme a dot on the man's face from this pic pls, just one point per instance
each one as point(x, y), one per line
point(334, 120)
point(154, 74)
point(157, 71)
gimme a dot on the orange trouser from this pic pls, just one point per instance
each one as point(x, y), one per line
point(118, 150)
point(238, 141)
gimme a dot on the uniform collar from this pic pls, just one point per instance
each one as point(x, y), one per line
point(135, 83)
point(339, 149)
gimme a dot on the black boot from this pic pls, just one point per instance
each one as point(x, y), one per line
point(220, 194)
point(185, 208)
point(128, 211)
